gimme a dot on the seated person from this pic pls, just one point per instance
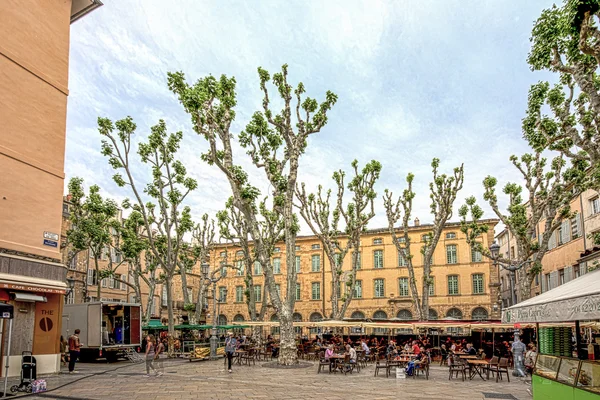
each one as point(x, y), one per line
point(329, 352)
point(350, 350)
point(470, 350)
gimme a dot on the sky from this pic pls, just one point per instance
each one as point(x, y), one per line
point(415, 81)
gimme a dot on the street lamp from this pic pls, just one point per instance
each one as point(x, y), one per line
point(511, 268)
point(209, 278)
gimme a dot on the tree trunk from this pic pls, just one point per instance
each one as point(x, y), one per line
point(335, 282)
point(186, 296)
point(200, 301)
point(99, 283)
point(425, 294)
point(288, 352)
point(257, 335)
point(171, 317)
point(150, 301)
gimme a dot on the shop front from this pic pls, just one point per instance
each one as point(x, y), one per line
point(563, 371)
point(38, 305)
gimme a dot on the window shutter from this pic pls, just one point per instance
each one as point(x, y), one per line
point(553, 279)
point(90, 277)
point(566, 231)
point(575, 226)
point(544, 284)
point(568, 274)
point(552, 241)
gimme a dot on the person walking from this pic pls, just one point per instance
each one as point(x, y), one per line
point(160, 349)
point(63, 350)
point(518, 349)
point(230, 347)
point(74, 350)
point(150, 354)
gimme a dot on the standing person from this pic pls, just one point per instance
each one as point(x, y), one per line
point(150, 354)
point(160, 349)
point(63, 350)
point(74, 349)
point(230, 347)
point(518, 349)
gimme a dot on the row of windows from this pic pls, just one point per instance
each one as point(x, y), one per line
point(451, 258)
point(478, 313)
point(477, 280)
point(113, 282)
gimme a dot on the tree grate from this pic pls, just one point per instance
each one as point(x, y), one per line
point(499, 396)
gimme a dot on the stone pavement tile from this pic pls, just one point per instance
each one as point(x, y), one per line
point(208, 380)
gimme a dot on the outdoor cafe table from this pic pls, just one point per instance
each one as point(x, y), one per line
point(333, 359)
point(238, 354)
point(477, 367)
point(467, 357)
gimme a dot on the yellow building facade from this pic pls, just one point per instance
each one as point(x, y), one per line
point(466, 285)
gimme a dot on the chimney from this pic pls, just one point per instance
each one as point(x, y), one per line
point(417, 222)
point(69, 197)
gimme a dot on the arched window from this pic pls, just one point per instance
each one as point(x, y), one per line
point(479, 313)
point(222, 320)
point(433, 315)
point(357, 315)
point(238, 318)
point(316, 317)
point(239, 254)
point(404, 315)
point(454, 313)
point(297, 317)
point(380, 314)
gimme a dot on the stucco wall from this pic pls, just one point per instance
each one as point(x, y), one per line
point(34, 51)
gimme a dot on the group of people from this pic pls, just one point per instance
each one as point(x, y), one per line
point(70, 349)
point(154, 356)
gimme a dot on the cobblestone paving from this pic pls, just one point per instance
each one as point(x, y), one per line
point(208, 380)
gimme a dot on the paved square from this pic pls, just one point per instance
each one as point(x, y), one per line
point(208, 380)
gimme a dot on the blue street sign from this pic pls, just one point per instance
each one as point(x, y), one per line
point(51, 243)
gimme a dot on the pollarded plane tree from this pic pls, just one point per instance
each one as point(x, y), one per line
point(564, 117)
point(166, 219)
point(274, 142)
point(93, 220)
point(443, 191)
point(316, 210)
point(531, 220)
point(234, 229)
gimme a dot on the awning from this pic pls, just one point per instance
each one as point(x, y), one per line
point(30, 284)
point(29, 297)
point(577, 300)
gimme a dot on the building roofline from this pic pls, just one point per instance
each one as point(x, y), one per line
point(81, 8)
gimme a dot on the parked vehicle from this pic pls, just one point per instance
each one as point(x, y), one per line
point(108, 329)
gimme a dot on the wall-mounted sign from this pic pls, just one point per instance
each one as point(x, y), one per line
point(30, 288)
point(51, 236)
point(51, 243)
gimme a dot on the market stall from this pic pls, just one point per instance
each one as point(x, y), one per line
point(558, 375)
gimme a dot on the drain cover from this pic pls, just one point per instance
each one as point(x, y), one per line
point(499, 396)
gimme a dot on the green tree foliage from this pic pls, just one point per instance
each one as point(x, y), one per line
point(443, 191)
point(166, 218)
point(315, 209)
point(564, 117)
point(549, 193)
point(274, 141)
point(92, 219)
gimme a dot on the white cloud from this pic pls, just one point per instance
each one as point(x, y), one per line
point(415, 81)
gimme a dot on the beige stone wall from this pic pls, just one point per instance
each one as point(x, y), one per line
point(34, 54)
point(391, 303)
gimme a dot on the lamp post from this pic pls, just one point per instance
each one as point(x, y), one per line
point(214, 341)
point(71, 286)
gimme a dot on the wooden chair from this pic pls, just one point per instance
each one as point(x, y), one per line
point(502, 368)
point(456, 365)
point(492, 366)
point(422, 366)
point(248, 357)
point(323, 362)
point(345, 366)
point(382, 365)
